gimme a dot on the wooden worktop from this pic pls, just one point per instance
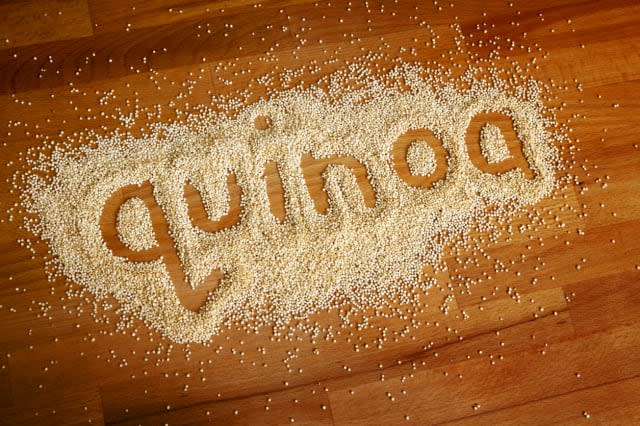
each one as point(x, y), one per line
point(553, 338)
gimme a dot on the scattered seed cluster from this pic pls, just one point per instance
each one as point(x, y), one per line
point(134, 225)
point(274, 271)
point(492, 144)
point(421, 158)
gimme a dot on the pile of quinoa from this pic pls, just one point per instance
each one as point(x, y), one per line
point(273, 270)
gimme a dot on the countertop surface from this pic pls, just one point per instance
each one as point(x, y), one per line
point(550, 336)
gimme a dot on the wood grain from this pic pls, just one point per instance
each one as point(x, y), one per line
point(32, 22)
point(550, 335)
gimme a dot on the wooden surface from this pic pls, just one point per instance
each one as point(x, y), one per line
point(553, 337)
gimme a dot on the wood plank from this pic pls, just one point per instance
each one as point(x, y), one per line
point(5, 378)
point(433, 397)
point(603, 303)
point(594, 404)
point(505, 338)
point(117, 54)
point(79, 406)
point(112, 15)
point(30, 22)
point(307, 405)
